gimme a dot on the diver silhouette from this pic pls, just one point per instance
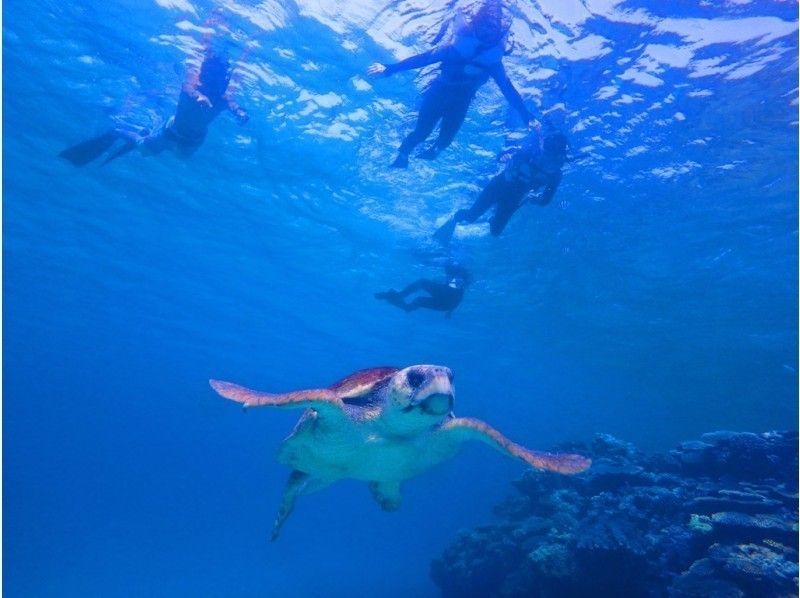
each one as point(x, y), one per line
point(536, 165)
point(204, 95)
point(443, 295)
point(474, 56)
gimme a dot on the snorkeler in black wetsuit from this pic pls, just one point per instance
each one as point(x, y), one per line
point(537, 164)
point(442, 296)
point(202, 98)
point(204, 95)
point(466, 64)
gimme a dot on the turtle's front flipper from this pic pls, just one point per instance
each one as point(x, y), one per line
point(460, 429)
point(297, 484)
point(322, 400)
point(386, 494)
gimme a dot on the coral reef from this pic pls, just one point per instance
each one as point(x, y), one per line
point(715, 517)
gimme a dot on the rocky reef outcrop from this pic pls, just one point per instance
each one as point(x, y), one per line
point(715, 517)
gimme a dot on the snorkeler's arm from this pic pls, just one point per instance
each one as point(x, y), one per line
point(550, 190)
point(235, 109)
point(191, 89)
point(418, 61)
point(511, 94)
point(192, 81)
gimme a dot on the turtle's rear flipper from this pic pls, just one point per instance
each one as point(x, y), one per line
point(86, 151)
point(297, 484)
point(323, 400)
point(460, 429)
point(386, 494)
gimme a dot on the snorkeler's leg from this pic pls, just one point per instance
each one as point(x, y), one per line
point(445, 232)
point(126, 147)
point(414, 287)
point(490, 195)
point(431, 287)
point(91, 149)
point(486, 199)
point(393, 298)
point(442, 297)
point(433, 102)
point(452, 119)
point(505, 209)
point(423, 284)
point(132, 139)
point(157, 142)
point(426, 302)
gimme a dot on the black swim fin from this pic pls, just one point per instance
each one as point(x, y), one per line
point(86, 151)
point(445, 232)
point(128, 146)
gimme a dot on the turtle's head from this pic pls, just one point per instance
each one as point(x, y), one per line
point(418, 397)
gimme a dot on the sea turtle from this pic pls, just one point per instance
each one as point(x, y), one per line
point(382, 425)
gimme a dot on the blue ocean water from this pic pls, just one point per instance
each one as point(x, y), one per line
point(655, 298)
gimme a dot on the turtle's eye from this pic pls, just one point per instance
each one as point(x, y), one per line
point(415, 378)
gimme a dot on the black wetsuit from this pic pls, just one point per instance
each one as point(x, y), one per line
point(184, 132)
point(442, 296)
point(529, 169)
point(465, 67)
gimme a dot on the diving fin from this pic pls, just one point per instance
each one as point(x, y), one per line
point(127, 146)
point(445, 232)
point(86, 151)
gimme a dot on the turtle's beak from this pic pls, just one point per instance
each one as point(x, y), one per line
point(436, 397)
point(437, 404)
point(431, 389)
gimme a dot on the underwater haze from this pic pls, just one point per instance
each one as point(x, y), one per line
point(655, 298)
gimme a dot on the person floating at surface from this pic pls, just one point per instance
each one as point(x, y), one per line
point(441, 296)
point(204, 95)
point(467, 63)
point(537, 164)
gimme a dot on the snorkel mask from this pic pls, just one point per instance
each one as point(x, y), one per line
point(215, 74)
point(457, 276)
point(486, 27)
point(487, 24)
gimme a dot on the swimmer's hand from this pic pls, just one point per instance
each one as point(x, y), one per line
point(534, 125)
point(506, 155)
point(535, 128)
point(202, 99)
point(541, 200)
point(377, 70)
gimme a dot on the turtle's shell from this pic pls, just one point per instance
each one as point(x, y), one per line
point(361, 383)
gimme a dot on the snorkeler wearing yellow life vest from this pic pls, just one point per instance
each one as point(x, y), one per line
point(467, 63)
